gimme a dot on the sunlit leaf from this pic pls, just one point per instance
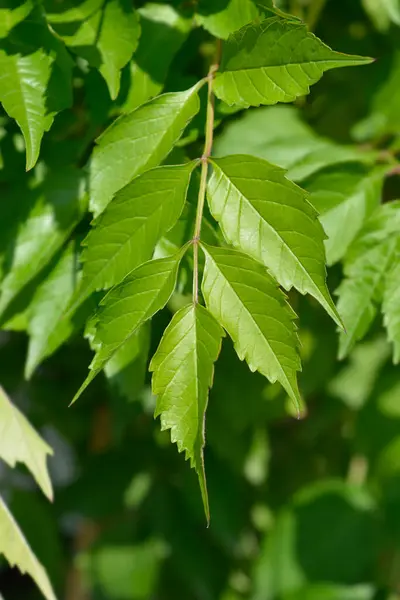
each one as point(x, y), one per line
point(391, 308)
point(183, 369)
point(221, 17)
point(125, 234)
point(137, 142)
point(267, 216)
point(127, 306)
point(274, 61)
point(246, 301)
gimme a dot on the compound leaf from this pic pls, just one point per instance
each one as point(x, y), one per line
point(137, 142)
point(183, 369)
point(274, 61)
point(247, 302)
point(268, 217)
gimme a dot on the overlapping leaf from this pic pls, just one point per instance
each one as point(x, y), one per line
point(269, 218)
point(35, 80)
point(369, 260)
point(127, 306)
point(53, 210)
point(164, 30)
point(274, 61)
point(345, 197)
point(48, 326)
point(391, 308)
point(70, 11)
point(11, 14)
point(106, 39)
point(222, 18)
point(245, 299)
point(18, 552)
point(183, 369)
point(124, 236)
point(278, 134)
point(19, 442)
point(137, 142)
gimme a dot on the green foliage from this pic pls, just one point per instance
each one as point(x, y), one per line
point(160, 224)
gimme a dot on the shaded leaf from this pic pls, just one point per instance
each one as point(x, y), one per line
point(268, 217)
point(279, 135)
point(183, 370)
point(127, 306)
point(19, 442)
point(55, 207)
point(35, 80)
point(163, 32)
point(11, 15)
point(18, 552)
point(137, 142)
point(274, 61)
point(48, 326)
point(246, 301)
point(125, 234)
point(221, 17)
point(370, 258)
point(344, 197)
point(107, 40)
point(391, 309)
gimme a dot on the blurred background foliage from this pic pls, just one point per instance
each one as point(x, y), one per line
point(300, 510)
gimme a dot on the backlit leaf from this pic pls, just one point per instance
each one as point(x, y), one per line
point(183, 369)
point(18, 552)
point(19, 442)
point(137, 142)
point(391, 309)
point(222, 18)
point(268, 217)
point(274, 61)
point(246, 301)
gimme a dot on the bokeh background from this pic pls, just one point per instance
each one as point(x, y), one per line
point(300, 510)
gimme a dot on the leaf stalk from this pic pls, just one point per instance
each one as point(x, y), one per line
point(209, 136)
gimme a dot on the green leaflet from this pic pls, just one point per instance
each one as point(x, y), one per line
point(48, 325)
point(221, 18)
point(274, 61)
point(18, 552)
point(382, 12)
point(137, 142)
point(68, 12)
point(245, 299)
point(127, 306)
point(11, 15)
point(278, 134)
point(19, 442)
point(125, 234)
point(268, 217)
point(31, 53)
point(183, 369)
point(345, 197)
point(107, 40)
point(369, 260)
point(163, 32)
point(391, 308)
point(53, 210)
